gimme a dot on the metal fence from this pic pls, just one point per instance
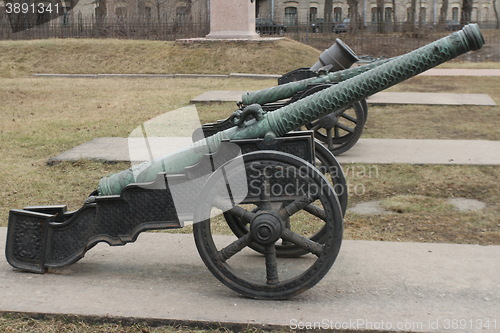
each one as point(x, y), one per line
point(89, 27)
point(397, 39)
point(394, 40)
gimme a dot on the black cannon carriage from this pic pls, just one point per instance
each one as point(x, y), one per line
point(47, 237)
point(274, 194)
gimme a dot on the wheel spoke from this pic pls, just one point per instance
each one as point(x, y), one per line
point(329, 138)
point(288, 225)
point(237, 211)
point(315, 126)
point(316, 211)
point(345, 128)
point(271, 265)
point(349, 117)
point(336, 132)
point(297, 205)
point(303, 242)
point(234, 247)
point(242, 213)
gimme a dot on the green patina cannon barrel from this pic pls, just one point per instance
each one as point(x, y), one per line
point(287, 90)
point(285, 119)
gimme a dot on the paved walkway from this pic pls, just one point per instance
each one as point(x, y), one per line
point(431, 72)
point(378, 285)
point(462, 72)
point(383, 151)
point(379, 98)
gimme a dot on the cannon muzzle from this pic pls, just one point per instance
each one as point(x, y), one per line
point(337, 57)
point(277, 123)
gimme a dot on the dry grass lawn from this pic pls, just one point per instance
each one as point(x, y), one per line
point(38, 121)
point(40, 118)
point(136, 56)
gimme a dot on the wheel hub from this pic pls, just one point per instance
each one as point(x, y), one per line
point(266, 227)
point(328, 121)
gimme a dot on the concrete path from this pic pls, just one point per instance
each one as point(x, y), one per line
point(470, 152)
point(430, 72)
point(462, 72)
point(379, 98)
point(430, 98)
point(414, 287)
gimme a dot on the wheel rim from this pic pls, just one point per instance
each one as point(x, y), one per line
point(340, 130)
point(268, 276)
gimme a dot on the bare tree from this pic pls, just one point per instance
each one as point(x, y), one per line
point(380, 16)
point(394, 18)
point(159, 6)
point(496, 13)
point(327, 15)
point(466, 16)
point(354, 16)
point(411, 16)
point(443, 12)
point(101, 12)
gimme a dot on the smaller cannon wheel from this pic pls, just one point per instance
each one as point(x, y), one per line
point(339, 130)
point(328, 165)
point(265, 276)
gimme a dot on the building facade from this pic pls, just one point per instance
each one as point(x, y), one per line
point(289, 12)
point(292, 12)
point(156, 11)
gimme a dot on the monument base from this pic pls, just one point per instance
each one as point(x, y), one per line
point(233, 35)
point(232, 20)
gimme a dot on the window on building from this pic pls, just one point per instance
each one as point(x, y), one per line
point(65, 8)
point(313, 14)
point(454, 14)
point(121, 12)
point(42, 15)
point(408, 14)
point(374, 15)
point(291, 15)
point(485, 14)
point(422, 15)
point(388, 14)
point(337, 14)
point(475, 14)
point(148, 12)
point(181, 14)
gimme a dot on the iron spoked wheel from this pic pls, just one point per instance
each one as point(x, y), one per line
point(328, 165)
point(340, 130)
point(283, 208)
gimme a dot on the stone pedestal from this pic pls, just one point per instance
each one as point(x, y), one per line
point(231, 19)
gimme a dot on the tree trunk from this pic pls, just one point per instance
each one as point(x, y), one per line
point(496, 13)
point(158, 5)
point(354, 16)
point(443, 12)
point(466, 16)
point(101, 13)
point(394, 18)
point(411, 16)
point(380, 16)
point(327, 16)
